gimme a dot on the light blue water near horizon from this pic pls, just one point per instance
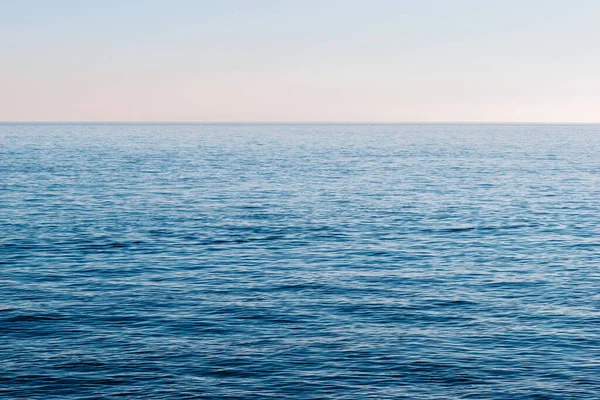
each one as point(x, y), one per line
point(161, 261)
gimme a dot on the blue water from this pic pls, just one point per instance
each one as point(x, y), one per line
point(156, 261)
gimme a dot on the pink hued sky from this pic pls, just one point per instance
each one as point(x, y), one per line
point(309, 61)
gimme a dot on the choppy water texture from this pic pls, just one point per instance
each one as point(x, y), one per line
point(299, 261)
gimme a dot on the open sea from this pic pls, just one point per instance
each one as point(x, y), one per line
point(197, 261)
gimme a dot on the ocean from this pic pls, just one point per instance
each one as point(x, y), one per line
point(249, 261)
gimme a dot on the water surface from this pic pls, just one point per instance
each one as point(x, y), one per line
point(156, 261)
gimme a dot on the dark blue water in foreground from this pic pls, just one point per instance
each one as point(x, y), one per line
point(299, 261)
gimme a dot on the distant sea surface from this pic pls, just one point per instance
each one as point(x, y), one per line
point(190, 261)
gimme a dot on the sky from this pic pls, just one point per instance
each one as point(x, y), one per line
point(300, 61)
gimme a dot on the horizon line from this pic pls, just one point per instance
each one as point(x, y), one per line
point(309, 122)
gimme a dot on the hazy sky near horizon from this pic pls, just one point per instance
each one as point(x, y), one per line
point(300, 61)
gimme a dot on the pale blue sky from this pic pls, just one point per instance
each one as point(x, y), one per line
point(305, 61)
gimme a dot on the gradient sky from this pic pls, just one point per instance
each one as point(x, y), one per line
point(303, 61)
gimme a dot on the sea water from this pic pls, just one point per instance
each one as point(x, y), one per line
point(180, 261)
